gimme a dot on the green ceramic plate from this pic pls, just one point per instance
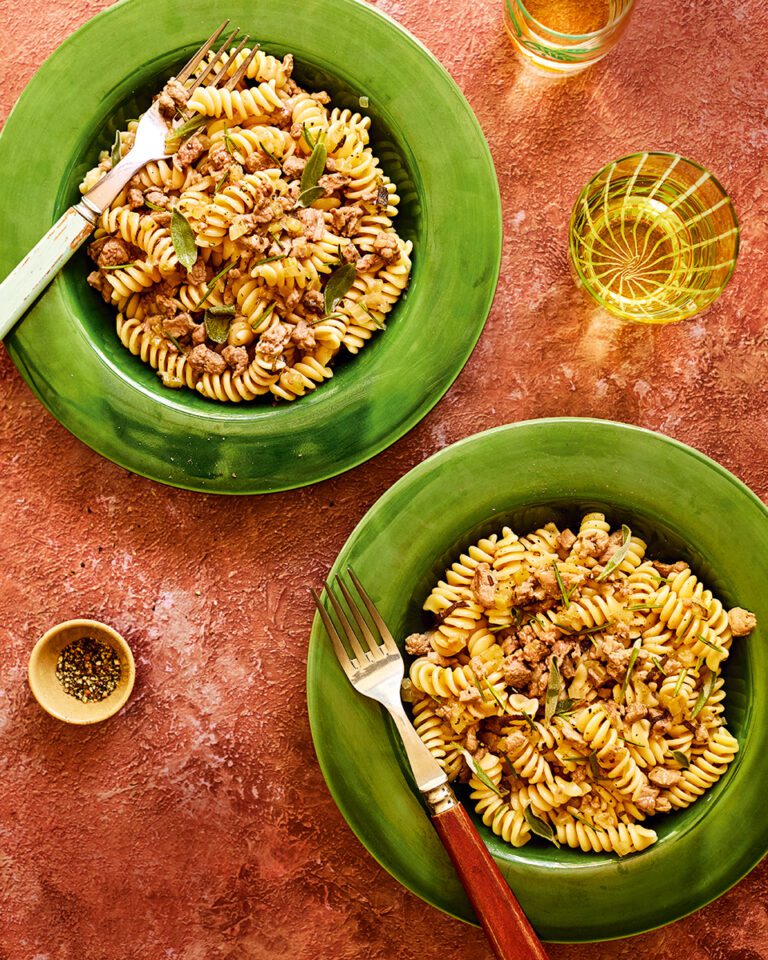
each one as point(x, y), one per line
point(687, 507)
point(429, 142)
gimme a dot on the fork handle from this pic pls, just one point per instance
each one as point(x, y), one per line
point(26, 281)
point(510, 934)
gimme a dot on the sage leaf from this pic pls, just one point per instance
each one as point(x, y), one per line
point(308, 197)
point(184, 131)
point(183, 239)
point(481, 775)
point(706, 693)
point(540, 827)
point(618, 558)
point(554, 686)
point(115, 154)
point(217, 326)
point(338, 285)
point(630, 667)
point(315, 166)
point(225, 310)
point(681, 758)
point(565, 707)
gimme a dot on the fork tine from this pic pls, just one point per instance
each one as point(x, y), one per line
point(219, 54)
point(338, 646)
point(189, 66)
point(389, 640)
point(349, 632)
point(228, 62)
point(372, 642)
point(238, 76)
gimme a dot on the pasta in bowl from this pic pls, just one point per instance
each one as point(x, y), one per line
point(574, 684)
point(244, 263)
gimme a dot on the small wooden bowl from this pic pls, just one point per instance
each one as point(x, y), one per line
point(49, 692)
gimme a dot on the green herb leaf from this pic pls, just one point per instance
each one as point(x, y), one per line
point(225, 310)
point(115, 153)
point(183, 132)
point(479, 687)
point(554, 685)
point(217, 326)
point(174, 341)
point(228, 142)
point(645, 606)
point(679, 684)
point(658, 665)
point(681, 758)
point(630, 667)
point(495, 695)
point(481, 774)
point(708, 643)
point(183, 239)
point(565, 707)
point(499, 629)
point(338, 285)
point(279, 256)
point(563, 592)
point(267, 313)
point(308, 197)
point(315, 167)
point(540, 827)
point(212, 285)
point(380, 325)
point(308, 138)
point(221, 182)
point(587, 823)
point(271, 156)
point(120, 266)
point(706, 693)
point(618, 558)
point(594, 766)
point(154, 206)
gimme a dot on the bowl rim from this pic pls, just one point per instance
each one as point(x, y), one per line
point(182, 445)
point(317, 705)
point(110, 635)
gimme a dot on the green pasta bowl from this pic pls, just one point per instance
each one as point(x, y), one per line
point(686, 507)
point(429, 143)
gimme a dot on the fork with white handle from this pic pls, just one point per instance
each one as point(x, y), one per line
point(26, 281)
point(376, 670)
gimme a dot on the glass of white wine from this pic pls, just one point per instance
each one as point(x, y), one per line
point(654, 238)
point(565, 36)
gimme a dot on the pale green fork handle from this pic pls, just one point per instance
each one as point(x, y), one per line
point(28, 280)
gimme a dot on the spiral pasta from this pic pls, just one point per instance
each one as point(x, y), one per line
point(224, 252)
point(574, 684)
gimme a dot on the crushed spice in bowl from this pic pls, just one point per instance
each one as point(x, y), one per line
point(81, 671)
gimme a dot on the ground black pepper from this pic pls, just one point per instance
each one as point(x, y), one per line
point(88, 669)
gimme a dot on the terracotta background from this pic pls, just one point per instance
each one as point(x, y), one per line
point(196, 824)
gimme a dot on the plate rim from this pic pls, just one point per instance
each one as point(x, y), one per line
point(317, 637)
point(330, 464)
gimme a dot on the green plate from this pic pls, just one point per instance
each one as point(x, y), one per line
point(687, 507)
point(429, 142)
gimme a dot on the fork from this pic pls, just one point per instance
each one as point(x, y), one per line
point(376, 670)
point(48, 256)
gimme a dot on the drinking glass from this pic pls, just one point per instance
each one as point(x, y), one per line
point(654, 238)
point(565, 36)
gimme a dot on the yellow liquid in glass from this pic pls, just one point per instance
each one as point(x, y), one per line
point(571, 16)
point(645, 254)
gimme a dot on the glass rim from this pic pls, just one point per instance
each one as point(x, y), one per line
point(612, 309)
point(578, 36)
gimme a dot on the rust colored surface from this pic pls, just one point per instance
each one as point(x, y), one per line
point(196, 825)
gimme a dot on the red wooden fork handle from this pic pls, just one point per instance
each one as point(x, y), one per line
point(506, 926)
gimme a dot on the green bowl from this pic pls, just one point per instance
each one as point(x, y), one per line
point(687, 507)
point(429, 142)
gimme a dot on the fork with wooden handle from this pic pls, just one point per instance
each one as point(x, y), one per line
point(375, 668)
point(26, 281)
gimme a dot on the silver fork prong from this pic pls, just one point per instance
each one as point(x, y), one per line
point(189, 66)
point(389, 640)
point(360, 654)
point(228, 62)
point(215, 61)
point(338, 646)
point(372, 642)
point(240, 73)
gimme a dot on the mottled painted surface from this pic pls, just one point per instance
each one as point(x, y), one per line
point(196, 825)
